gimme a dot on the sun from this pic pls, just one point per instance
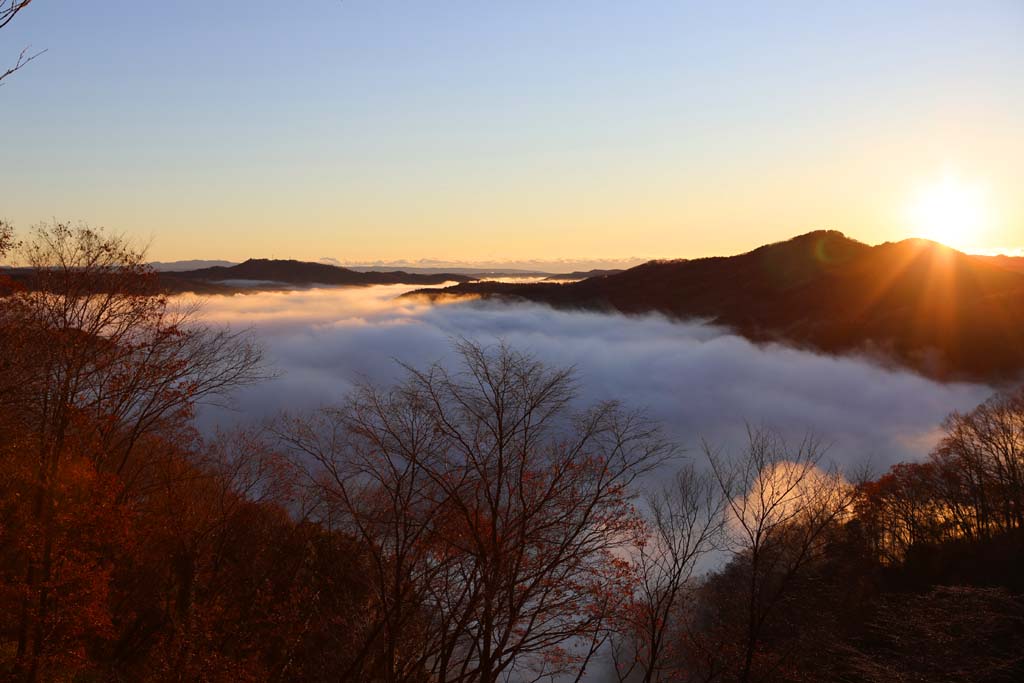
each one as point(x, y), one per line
point(949, 210)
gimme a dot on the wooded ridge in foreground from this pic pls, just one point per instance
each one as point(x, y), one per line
point(941, 312)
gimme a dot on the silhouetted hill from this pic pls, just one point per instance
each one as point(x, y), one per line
point(289, 272)
point(937, 310)
point(584, 274)
point(178, 266)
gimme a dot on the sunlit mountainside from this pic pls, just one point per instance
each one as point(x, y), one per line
point(938, 310)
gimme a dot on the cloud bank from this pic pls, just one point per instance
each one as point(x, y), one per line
point(699, 381)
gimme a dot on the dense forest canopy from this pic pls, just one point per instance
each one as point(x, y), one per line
point(468, 523)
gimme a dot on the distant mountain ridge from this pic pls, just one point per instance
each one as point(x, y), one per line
point(193, 264)
point(584, 274)
point(523, 266)
point(473, 273)
point(219, 279)
point(944, 313)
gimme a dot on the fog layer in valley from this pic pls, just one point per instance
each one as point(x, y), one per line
point(700, 381)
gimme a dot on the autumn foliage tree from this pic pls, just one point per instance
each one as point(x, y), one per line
point(98, 361)
point(971, 486)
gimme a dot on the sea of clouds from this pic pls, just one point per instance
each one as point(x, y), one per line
point(700, 381)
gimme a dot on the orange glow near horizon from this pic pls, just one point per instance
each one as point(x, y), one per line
point(493, 133)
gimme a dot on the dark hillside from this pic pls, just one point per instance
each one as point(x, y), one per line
point(942, 312)
point(269, 274)
point(301, 273)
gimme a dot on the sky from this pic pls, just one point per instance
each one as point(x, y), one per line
point(367, 130)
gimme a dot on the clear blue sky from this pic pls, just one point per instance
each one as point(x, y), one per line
point(365, 129)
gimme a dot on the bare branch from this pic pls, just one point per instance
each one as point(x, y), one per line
point(8, 10)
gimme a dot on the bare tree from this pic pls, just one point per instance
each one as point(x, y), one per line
point(7, 244)
point(780, 504)
point(495, 513)
point(980, 463)
point(684, 523)
point(8, 10)
point(6, 237)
